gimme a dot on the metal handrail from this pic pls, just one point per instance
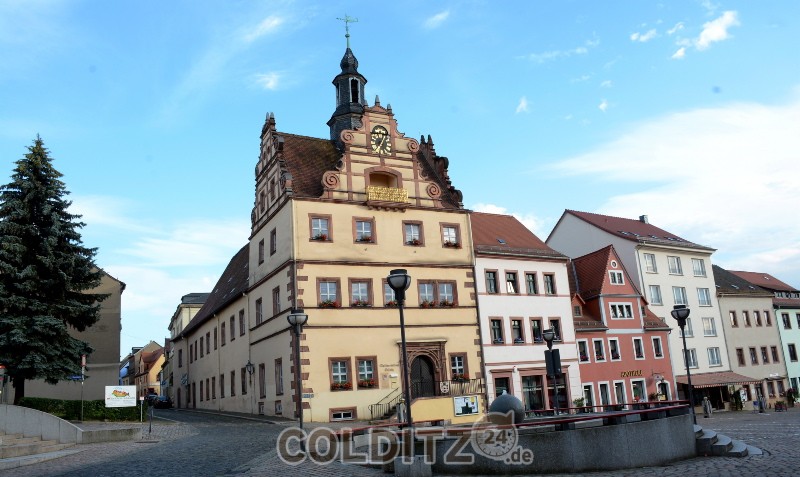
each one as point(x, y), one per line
point(381, 408)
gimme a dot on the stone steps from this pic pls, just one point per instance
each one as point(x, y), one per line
point(24, 446)
point(709, 443)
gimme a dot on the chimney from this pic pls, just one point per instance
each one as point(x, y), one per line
point(643, 219)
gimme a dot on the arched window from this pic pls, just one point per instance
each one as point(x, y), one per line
point(354, 96)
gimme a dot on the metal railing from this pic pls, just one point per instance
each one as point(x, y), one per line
point(385, 405)
point(457, 387)
point(633, 406)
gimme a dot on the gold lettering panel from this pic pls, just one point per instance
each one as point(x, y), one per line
point(387, 194)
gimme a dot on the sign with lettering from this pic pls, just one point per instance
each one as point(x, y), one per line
point(630, 374)
point(387, 194)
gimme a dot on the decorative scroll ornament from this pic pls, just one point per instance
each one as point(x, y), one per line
point(346, 136)
point(413, 145)
point(434, 191)
point(330, 180)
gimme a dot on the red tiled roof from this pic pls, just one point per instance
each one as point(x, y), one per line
point(764, 280)
point(711, 380)
point(229, 287)
point(307, 159)
point(504, 234)
point(729, 283)
point(589, 272)
point(634, 230)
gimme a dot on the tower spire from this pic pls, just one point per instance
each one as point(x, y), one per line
point(347, 20)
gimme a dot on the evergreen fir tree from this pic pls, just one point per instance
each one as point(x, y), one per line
point(45, 272)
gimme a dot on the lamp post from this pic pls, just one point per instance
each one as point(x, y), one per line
point(250, 370)
point(399, 281)
point(681, 313)
point(549, 335)
point(297, 319)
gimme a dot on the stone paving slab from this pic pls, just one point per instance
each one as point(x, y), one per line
point(777, 434)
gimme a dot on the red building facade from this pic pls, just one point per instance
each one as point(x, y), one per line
point(623, 352)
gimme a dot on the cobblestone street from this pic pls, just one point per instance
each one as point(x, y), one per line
point(203, 444)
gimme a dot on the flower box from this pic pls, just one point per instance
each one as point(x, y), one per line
point(320, 237)
point(614, 356)
point(427, 304)
point(366, 238)
point(360, 304)
point(329, 304)
point(366, 383)
point(460, 377)
point(414, 242)
point(519, 341)
point(450, 244)
point(600, 357)
point(391, 304)
point(584, 357)
point(446, 304)
point(341, 386)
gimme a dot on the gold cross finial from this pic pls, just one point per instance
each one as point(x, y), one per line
point(347, 20)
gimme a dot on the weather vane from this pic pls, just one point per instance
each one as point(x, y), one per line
point(347, 19)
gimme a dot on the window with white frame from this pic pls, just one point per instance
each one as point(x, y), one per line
point(426, 293)
point(364, 231)
point(616, 277)
point(328, 292)
point(449, 236)
point(549, 283)
point(714, 358)
point(556, 326)
point(599, 350)
point(339, 372)
point(511, 283)
point(674, 265)
point(688, 328)
point(583, 351)
point(319, 228)
point(413, 233)
point(655, 295)
point(679, 294)
point(359, 295)
point(638, 348)
point(692, 354)
point(613, 348)
point(621, 311)
point(497, 331)
point(388, 295)
point(709, 327)
point(703, 297)
point(698, 267)
point(446, 293)
point(650, 263)
point(457, 365)
point(658, 351)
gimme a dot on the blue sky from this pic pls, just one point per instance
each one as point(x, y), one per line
point(687, 111)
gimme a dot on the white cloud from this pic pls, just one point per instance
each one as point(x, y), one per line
point(581, 79)
point(555, 54)
point(522, 107)
point(530, 221)
point(606, 84)
point(436, 20)
point(720, 177)
point(603, 106)
point(268, 80)
point(678, 26)
point(267, 26)
point(644, 37)
point(717, 30)
point(680, 54)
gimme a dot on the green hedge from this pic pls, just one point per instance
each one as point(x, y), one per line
point(92, 410)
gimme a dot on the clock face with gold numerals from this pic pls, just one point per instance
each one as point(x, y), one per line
point(380, 140)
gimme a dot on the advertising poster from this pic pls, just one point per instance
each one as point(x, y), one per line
point(120, 396)
point(465, 405)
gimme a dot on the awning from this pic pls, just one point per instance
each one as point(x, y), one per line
point(712, 380)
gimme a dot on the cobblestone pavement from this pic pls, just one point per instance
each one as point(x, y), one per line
point(201, 444)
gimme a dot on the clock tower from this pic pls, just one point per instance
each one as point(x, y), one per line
point(350, 100)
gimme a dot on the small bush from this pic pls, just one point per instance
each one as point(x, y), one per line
point(92, 410)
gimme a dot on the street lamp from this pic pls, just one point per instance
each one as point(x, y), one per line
point(297, 319)
point(549, 335)
point(681, 313)
point(250, 367)
point(399, 281)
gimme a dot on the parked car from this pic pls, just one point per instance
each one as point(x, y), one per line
point(151, 398)
point(162, 402)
